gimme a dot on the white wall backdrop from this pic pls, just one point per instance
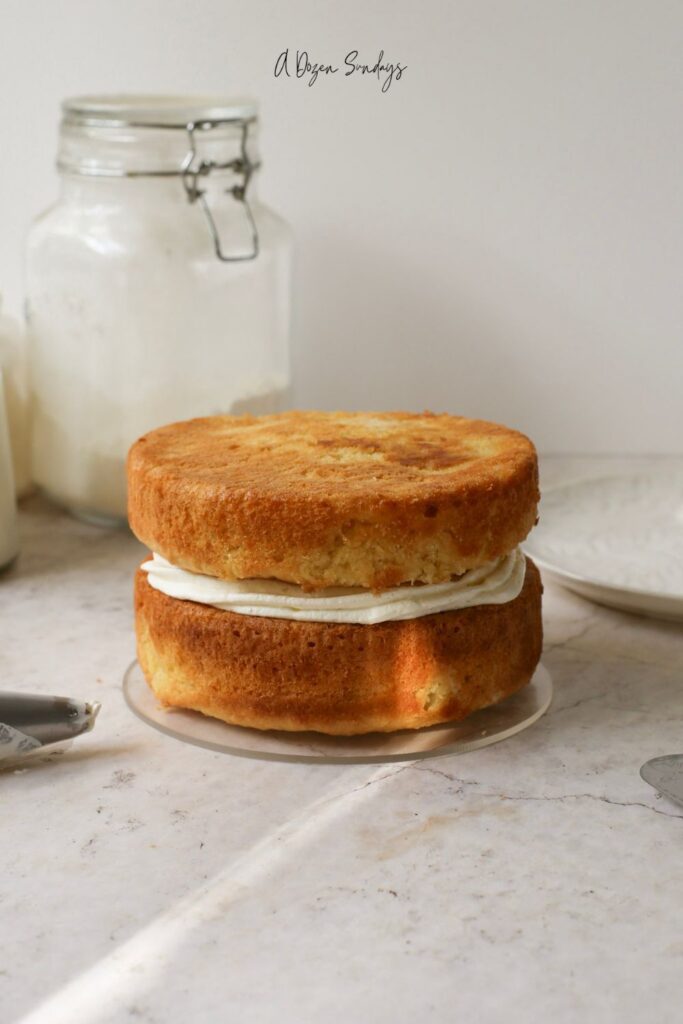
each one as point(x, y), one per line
point(500, 234)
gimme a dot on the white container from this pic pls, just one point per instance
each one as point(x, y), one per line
point(13, 364)
point(157, 287)
point(9, 537)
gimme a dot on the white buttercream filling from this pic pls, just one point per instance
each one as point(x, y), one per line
point(494, 583)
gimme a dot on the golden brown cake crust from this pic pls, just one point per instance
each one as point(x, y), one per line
point(340, 679)
point(325, 499)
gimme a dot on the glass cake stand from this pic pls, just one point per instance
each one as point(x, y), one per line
point(490, 725)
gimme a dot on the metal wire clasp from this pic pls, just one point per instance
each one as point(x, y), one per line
point(195, 169)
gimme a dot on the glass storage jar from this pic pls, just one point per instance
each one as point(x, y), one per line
point(14, 370)
point(9, 537)
point(157, 287)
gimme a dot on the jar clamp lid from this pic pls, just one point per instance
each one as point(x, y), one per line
point(193, 115)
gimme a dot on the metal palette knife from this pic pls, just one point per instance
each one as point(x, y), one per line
point(665, 774)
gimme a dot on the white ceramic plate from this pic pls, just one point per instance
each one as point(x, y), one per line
point(491, 725)
point(617, 540)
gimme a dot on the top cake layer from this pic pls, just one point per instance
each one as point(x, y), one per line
point(333, 499)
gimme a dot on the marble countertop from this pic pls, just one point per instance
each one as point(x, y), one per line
point(144, 879)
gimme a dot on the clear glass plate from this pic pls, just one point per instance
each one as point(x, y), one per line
point(490, 725)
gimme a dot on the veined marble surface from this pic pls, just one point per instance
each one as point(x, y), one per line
point(148, 880)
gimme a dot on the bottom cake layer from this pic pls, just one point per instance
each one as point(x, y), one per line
point(269, 673)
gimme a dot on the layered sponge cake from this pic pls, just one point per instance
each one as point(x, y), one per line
point(339, 572)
